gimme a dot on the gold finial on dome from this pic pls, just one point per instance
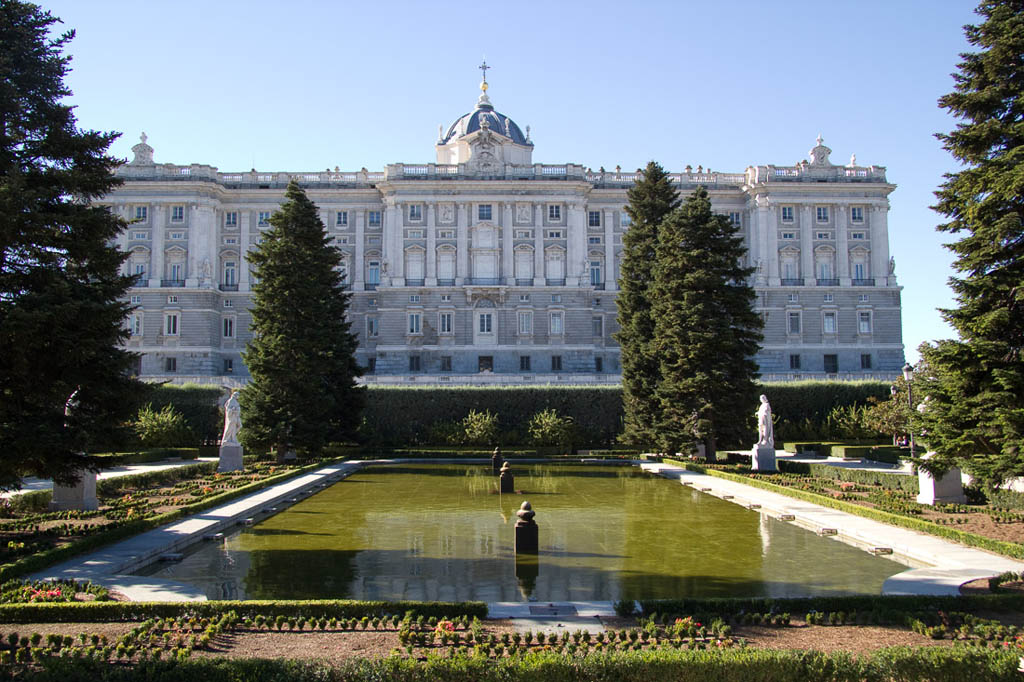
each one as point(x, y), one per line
point(484, 101)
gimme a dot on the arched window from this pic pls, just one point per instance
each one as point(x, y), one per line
point(595, 268)
point(860, 268)
point(789, 265)
point(175, 265)
point(824, 264)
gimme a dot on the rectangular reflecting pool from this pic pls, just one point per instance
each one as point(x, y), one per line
point(443, 532)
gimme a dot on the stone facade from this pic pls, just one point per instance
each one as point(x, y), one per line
point(486, 267)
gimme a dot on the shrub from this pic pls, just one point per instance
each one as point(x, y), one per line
point(163, 428)
point(480, 428)
point(547, 427)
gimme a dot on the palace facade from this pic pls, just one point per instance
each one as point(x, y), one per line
point(487, 267)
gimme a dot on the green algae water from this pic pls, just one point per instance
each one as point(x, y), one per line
point(443, 532)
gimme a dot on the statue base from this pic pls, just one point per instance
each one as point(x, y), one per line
point(81, 496)
point(230, 457)
point(946, 489)
point(762, 458)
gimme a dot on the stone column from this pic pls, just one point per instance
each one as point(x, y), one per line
point(538, 245)
point(431, 255)
point(842, 246)
point(394, 238)
point(611, 275)
point(772, 268)
point(157, 225)
point(359, 265)
point(461, 244)
point(763, 228)
point(507, 266)
point(576, 227)
point(244, 244)
point(880, 245)
point(807, 246)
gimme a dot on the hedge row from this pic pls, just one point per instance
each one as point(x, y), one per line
point(112, 611)
point(40, 560)
point(894, 481)
point(1010, 549)
point(998, 603)
point(199, 404)
point(405, 415)
point(937, 664)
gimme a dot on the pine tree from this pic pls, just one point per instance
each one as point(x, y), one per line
point(303, 394)
point(706, 331)
point(651, 199)
point(62, 293)
point(974, 414)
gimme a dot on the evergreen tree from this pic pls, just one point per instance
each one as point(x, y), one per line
point(303, 392)
point(651, 199)
point(706, 331)
point(61, 288)
point(975, 385)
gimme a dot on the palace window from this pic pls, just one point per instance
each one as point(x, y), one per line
point(525, 322)
point(228, 303)
point(856, 214)
point(483, 212)
point(554, 212)
point(341, 218)
point(373, 218)
point(170, 364)
point(415, 323)
point(141, 213)
point(229, 365)
point(231, 219)
point(229, 328)
point(556, 363)
point(594, 218)
point(828, 325)
point(794, 361)
point(598, 365)
point(372, 327)
point(556, 324)
point(794, 323)
point(177, 214)
point(135, 324)
point(787, 214)
point(828, 298)
point(594, 241)
point(171, 324)
point(865, 361)
point(415, 212)
point(789, 235)
point(445, 323)
point(446, 234)
point(554, 234)
point(414, 363)
point(263, 219)
point(597, 326)
point(864, 322)
point(822, 214)
point(524, 363)
point(734, 218)
point(446, 363)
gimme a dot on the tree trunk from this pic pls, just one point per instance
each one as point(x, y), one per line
point(280, 452)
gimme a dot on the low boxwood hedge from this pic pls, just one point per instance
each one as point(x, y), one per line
point(112, 611)
point(937, 664)
point(1009, 549)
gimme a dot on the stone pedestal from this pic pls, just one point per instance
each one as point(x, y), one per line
point(230, 457)
point(947, 489)
point(527, 534)
point(762, 458)
point(496, 461)
point(507, 481)
point(79, 496)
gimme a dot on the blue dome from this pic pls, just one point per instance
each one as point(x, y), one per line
point(498, 122)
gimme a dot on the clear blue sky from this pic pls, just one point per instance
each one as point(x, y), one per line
point(306, 85)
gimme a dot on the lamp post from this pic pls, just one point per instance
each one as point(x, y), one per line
point(908, 374)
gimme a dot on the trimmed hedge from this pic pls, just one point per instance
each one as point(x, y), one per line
point(41, 560)
point(112, 611)
point(405, 415)
point(937, 664)
point(199, 404)
point(894, 481)
point(1010, 549)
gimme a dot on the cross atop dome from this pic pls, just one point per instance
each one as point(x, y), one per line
point(484, 101)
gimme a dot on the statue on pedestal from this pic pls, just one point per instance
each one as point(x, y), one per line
point(765, 430)
point(232, 420)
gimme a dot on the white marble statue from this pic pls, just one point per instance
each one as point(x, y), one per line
point(765, 431)
point(232, 420)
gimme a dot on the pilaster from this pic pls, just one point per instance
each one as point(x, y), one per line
point(507, 265)
point(431, 256)
point(394, 238)
point(772, 268)
point(461, 243)
point(159, 232)
point(807, 245)
point(244, 244)
point(577, 245)
point(538, 245)
point(880, 246)
point(611, 277)
point(842, 246)
point(358, 279)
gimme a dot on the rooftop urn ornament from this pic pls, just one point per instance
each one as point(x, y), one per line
point(762, 455)
point(506, 482)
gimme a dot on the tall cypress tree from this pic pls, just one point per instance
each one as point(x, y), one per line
point(706, 331)
point(303, 392)
point(651, 199)
point(975, 385)
point(61, 288)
